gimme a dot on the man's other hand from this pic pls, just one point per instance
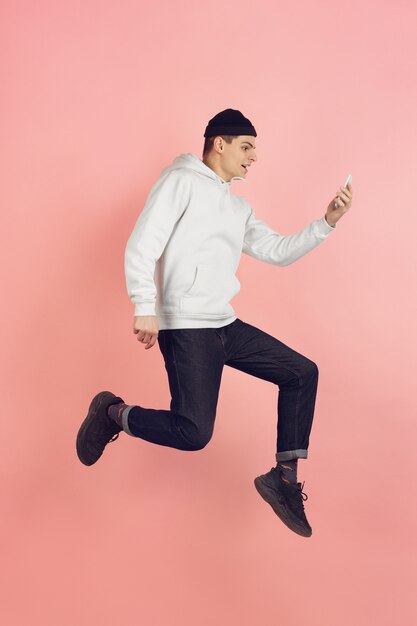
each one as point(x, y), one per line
point(146, 327)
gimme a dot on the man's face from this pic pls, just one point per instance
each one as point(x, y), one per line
point(238, 156)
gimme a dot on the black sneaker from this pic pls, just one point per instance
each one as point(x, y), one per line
point(286, 499)
point(98, 429)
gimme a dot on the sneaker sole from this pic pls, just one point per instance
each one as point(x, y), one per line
point(101, 400)
point(270, 496)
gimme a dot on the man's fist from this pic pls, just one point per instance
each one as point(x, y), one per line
point(146, 327)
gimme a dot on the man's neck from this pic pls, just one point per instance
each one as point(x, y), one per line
point(219, 173)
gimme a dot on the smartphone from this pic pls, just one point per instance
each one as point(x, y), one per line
point(348, 180)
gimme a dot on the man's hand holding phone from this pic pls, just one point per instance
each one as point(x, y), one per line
point(146, 328)
point(341, 203)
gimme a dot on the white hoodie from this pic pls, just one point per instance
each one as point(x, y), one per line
point(184, 250)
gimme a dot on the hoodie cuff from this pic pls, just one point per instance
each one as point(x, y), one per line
point(327, 224)
point(322, 228)
point(144, 308)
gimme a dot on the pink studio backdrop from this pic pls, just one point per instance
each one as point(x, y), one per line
point(97, 97)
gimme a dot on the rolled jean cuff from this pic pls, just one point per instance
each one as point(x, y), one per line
point(125, 423)
point(288, 455)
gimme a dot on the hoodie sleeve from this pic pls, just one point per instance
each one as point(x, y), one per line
point(266, 244)
point(165, 204)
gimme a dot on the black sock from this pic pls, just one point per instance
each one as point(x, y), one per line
point(115, 412)
point(288, 470)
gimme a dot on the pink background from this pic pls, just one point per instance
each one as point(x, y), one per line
point(96, 98)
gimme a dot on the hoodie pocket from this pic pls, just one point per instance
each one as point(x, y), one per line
point(211, 291)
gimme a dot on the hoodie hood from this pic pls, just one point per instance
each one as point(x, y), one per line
point(191, 161)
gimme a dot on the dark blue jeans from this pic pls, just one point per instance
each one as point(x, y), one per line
point(194, 360)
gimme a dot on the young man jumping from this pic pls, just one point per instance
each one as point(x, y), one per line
point(180, 262)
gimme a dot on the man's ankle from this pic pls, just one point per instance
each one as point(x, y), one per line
point(288, 471)
point(115, 412)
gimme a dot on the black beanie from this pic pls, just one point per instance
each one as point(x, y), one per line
point(229, 122)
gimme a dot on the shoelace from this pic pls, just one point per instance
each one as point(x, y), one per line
point(302, 492)
point(298, 503)
point(304, 496)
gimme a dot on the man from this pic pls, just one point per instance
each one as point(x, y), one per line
point(180, 262)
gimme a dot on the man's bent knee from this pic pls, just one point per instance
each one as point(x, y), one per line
point(198, 439)
point(313, 369)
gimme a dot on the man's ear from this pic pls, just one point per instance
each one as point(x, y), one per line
point(218, 144)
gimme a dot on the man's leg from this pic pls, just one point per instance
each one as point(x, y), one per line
point(194, 361)
point(255, 352)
